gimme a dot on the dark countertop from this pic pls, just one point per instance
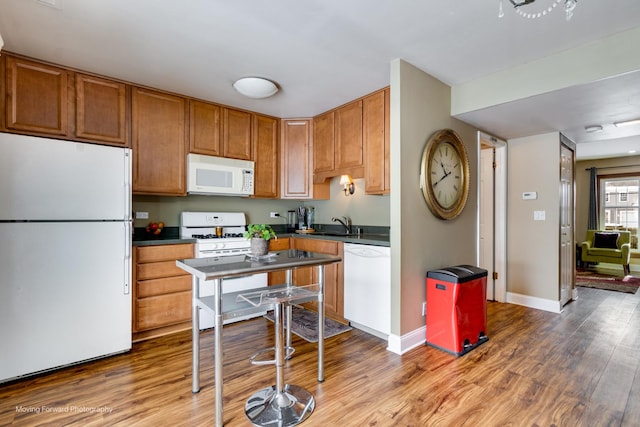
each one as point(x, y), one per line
point(363, 239)
point(171, 236)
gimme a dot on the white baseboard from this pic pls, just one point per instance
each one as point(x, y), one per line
point(402, 344)
point(534, 302)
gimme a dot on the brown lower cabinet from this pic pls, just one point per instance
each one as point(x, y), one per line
point(161, 292)
point(333, 274)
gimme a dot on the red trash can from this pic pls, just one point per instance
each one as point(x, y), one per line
point(457, 308)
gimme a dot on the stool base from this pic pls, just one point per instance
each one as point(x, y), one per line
point(267, 407)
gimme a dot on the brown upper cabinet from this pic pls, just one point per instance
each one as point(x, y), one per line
point(338, 142)
point(101, 110)
point(205, 123)
point(37, 97)
point(236, 134)
point(349, 136)
point(297, 153)
point(323, 142)
point(265, 156)
point(375, 134)
point(159, 142)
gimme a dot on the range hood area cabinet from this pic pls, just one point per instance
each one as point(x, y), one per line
point(354, 139)
point(50, 101)
point(220, 131)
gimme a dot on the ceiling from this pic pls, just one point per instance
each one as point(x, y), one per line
point(323, 53)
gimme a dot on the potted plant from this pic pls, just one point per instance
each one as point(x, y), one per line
point(259, 235)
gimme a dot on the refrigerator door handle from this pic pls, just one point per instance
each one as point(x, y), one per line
point(127, 186)
point(127, 256)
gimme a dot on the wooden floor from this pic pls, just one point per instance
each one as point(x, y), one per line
point(578, 368)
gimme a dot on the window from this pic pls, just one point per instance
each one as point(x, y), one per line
point(619, 207)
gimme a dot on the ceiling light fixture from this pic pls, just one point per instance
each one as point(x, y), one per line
point(255, 87)
point(568, 6)
point(627, 123)
point(593, 129)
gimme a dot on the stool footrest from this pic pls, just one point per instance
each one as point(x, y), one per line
point(288, 352)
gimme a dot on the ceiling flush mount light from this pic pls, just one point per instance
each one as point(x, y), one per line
point(567, 5)
point(627, 123)
point(255, 87)
point(348, 185)
point(593, 129)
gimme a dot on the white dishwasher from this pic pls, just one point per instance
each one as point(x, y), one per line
point(367, 288)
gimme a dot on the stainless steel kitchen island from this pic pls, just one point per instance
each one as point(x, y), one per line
point(235, 304)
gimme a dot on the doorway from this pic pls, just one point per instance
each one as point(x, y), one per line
point(492, 214)
point(567, 214)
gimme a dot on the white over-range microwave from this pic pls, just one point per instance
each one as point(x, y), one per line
point(219, 176)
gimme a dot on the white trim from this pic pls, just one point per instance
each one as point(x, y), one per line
point(534, 302)
point(402, 344)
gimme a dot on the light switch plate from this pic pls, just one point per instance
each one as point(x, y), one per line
point(539, 215)
point(142, 215)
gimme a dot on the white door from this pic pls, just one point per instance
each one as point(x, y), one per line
point(567, 248)
point(487, 216)
point(492, 211)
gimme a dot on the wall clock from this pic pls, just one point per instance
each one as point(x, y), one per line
point(444, 174)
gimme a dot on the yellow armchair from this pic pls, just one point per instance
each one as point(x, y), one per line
point(607, 246)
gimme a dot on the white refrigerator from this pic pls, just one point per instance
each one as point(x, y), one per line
point(65, 253)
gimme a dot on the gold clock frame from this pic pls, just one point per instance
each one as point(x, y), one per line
point(451, 137)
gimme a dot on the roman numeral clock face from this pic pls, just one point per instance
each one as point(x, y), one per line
point(444, 175)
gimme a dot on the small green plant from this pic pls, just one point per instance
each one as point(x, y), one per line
point(260, 231)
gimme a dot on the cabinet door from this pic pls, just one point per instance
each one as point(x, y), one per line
point(158, 142)
point(36, 97)
point(375, 132)
point(296, 146)
point(204, 125)
point(278, 277)
point(333, 274)
point(323, 142)
point(265, 155)
point(101, 110)
point(348, 136)
point(236, 134)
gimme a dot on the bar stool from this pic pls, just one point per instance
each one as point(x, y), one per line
point(280, 404)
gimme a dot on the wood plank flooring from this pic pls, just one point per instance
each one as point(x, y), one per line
point(578, 368)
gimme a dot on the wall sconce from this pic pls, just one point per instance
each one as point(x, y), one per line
point(349, 186)
point(1, 43)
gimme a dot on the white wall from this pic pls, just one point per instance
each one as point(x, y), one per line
point(533, 246)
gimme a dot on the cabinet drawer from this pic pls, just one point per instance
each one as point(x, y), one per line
point(156, 270)
point(163, 252)
point(167, 285)
point(163, 310)
point(279, 244)
point(322, 246)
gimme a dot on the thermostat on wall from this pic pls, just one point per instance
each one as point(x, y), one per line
point(529, 195)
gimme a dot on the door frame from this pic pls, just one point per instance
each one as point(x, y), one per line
point(499, 176)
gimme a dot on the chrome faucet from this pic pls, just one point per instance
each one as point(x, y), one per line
point(346, 223)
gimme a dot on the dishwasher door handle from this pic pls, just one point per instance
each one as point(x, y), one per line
point(364, 252)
